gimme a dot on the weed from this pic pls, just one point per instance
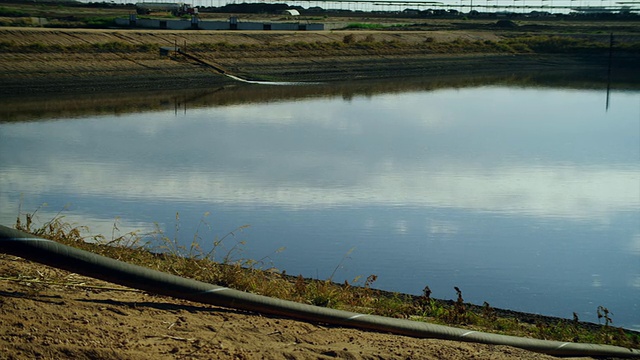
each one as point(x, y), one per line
point(349, 39)
point(370, 280)
point(603, 313)
point(300, 286)
point(488, 312)
point(424, 302)
point(322, 293)
point(222, 265)
point(397, 306)
point(426, 293)
point(341, 264)
point(459, 313)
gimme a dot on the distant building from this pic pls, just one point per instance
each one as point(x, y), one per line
point(291, 12)
point(233, 24)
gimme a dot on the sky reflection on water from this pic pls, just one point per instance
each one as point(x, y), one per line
point(525, 198)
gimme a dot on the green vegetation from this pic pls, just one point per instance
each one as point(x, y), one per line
point(374, 26)
point(364, 26)
point(222, 265)
point(100, 22)
point(10, 12)
point(62, 14)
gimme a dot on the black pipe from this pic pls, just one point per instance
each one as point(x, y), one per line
point(89, 264)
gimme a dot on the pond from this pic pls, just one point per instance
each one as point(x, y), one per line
point(522, 195)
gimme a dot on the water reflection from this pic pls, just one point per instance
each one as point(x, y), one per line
point(34, 108)
point(524, 197)
point(517, 158)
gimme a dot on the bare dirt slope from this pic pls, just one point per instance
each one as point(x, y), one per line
point(79, 64)
point(49, 61)
point(51, 36)
point(50, 71)
point(97, 320)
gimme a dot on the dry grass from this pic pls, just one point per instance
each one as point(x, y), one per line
point(221, 265)
point(349, 44)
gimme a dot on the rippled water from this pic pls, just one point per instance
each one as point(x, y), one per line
point(527, 198)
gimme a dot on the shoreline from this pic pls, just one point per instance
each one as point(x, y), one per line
point(57, 71)
point(196, 77)
point(36, 106)
point(54, 314)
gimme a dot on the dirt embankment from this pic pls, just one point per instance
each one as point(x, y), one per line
point(54, 72)
point(83, 318)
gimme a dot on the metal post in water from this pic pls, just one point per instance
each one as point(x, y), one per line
point(609, 70)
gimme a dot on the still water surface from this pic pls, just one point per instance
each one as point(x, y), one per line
point(527, 198)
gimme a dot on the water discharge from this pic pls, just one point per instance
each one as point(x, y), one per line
point(278, 83)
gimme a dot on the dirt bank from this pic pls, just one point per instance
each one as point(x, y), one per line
point(97, 320)
point(45, 65)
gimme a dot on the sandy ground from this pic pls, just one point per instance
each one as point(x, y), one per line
point(97, 320)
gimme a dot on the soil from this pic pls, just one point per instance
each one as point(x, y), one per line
point(77, 72)
point(75, 317)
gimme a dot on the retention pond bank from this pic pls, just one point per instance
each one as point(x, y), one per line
point(55, 61)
